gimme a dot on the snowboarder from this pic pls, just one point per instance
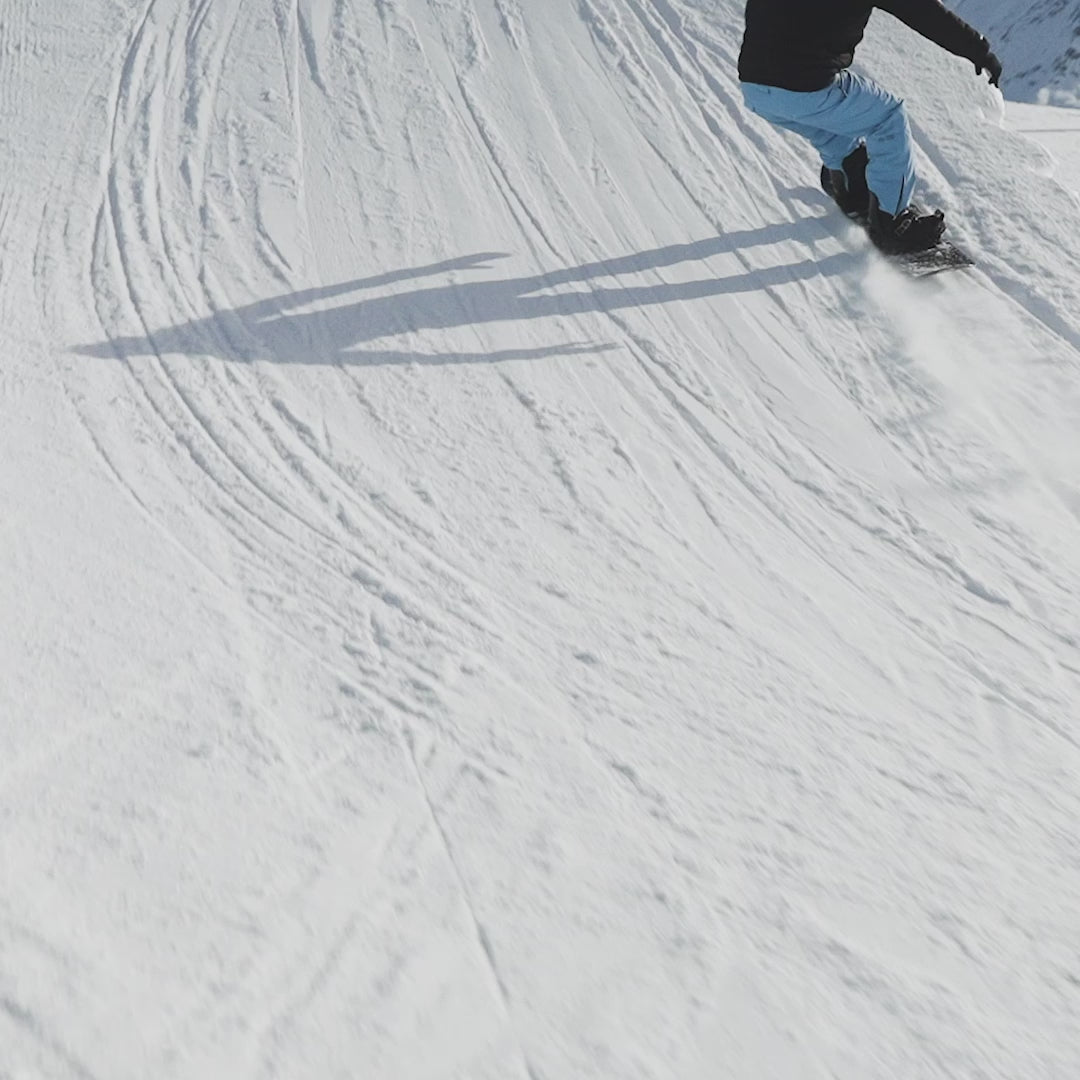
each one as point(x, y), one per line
point(794, 69)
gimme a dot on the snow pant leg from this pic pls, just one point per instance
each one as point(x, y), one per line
point(832, 147)
point(836, 119)
point(890, 170)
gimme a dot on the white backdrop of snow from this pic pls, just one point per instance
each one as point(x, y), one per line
point(500, 582)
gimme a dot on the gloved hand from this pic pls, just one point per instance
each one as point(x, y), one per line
point(992, 66)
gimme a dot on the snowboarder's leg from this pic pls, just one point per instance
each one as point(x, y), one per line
point(791, 110)
point(890, 171)
point(837, 118)
point(833, 147)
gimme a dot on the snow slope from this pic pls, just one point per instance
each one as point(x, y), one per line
point(1039, 45)
point(499, 582)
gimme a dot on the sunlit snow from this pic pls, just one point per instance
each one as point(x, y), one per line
point(501, 582)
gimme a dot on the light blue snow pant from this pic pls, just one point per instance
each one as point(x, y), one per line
point(850, 110)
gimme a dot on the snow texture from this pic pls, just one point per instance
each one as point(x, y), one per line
point(1039, 45)
point(499, 581)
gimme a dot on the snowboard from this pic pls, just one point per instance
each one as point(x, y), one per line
point(945, 255)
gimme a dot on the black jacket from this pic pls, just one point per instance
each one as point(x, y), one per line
point(802, 44)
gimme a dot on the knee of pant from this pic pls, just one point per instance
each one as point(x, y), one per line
point(893, 117)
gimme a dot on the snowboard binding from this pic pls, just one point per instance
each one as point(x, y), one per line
point(913, 240)
point(846, 186)
point(909, 231)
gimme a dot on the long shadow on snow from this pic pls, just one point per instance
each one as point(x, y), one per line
point(276, 330)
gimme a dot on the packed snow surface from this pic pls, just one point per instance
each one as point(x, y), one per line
point(1056, 130)
point(500, 582)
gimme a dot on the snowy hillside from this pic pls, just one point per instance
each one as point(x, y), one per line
point(499, 582)
point(1039, 44)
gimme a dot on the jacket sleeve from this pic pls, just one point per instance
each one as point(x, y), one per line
point(934, 21)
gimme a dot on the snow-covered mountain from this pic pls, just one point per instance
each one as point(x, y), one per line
point(1039, 44)
point(500, 582)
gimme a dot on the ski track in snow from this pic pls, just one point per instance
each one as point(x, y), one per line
point(506, 585)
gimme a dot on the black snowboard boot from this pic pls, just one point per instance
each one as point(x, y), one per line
point(910, 230)
point(847, 185)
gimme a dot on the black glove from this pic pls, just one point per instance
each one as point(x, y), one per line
point(992, 66)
